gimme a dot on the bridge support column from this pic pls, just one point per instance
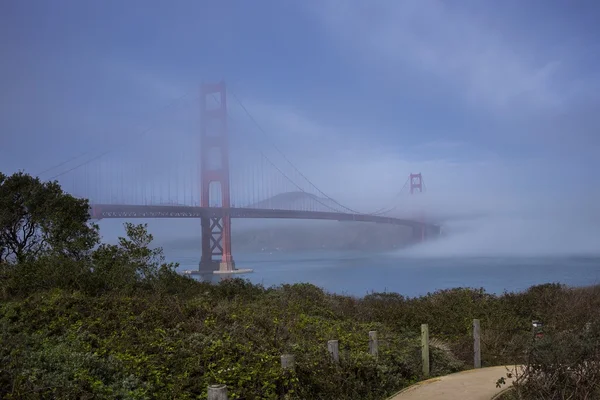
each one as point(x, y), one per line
point(419, 233)
point(423, 232)
point(214, 169)
point(416, 186)
point(216, 241)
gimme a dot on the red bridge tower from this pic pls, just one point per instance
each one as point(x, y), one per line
point(416, 186)
point(214, 173)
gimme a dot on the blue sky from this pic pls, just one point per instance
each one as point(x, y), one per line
point(495, 102)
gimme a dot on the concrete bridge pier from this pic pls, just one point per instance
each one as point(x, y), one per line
point(221, 268)
point(217, 267)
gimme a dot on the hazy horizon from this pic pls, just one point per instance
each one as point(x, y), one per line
point(494, 103)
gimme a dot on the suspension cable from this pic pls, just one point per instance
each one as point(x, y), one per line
point(260, 128)
point(283, 173)
point(143, 132)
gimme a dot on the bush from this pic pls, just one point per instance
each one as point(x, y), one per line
point(116, 321)
point(173, 347)
point(563, 364)
point(157, 343)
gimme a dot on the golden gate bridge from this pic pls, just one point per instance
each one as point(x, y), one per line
point(209, 188)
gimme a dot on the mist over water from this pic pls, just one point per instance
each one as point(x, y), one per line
point(509, 250)
point(497, 111)
point(534, 236)
point(498, 254)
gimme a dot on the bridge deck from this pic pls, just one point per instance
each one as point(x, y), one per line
point(102, 211)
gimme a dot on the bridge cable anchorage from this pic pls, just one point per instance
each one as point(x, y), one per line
point(260, 128)
point(268, 160)
point(141, 133)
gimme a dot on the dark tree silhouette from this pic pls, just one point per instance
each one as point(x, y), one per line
point(38, 218)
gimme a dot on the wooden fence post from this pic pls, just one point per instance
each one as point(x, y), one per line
point(334, 350)
point(287, 361)
point(425, 348)
point(476, 344)
point(373, 350)
point(217, 392)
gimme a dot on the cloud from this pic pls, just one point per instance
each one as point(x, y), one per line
point(461, 178)
point(527, 206)
point(142, 80)
point(524, 236)
point(453, 46)
point(365, 174)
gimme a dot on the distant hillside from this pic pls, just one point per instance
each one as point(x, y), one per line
point(298, 201)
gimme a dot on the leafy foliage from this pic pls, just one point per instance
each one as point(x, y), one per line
point(130, 264)
point(71, 345)
point(80, 321)
point(39, 218)
point(166, 336)
point(565, 362)
point(170, 340)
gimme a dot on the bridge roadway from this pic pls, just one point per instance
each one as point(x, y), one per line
point(103, 211)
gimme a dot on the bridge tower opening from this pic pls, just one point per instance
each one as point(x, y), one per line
point(214, 174)
point(416, 183)
point(416, 186)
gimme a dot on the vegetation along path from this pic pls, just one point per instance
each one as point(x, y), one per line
point(474, 384)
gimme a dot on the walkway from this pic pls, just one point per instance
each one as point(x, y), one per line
point(474, 384)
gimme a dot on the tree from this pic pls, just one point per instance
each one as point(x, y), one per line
point(132, 263)
point(39, 218)
point(2, 244)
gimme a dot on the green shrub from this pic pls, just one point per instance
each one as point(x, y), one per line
point(563, 364)
point(80, 320)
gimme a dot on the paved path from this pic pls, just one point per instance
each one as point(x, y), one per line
point(474, 384)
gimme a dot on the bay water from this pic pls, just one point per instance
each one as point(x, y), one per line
point(359, 273)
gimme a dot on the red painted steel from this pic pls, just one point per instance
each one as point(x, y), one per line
point(109, 211)
point(416, 183)
point(216, 232)
point(416, 186)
